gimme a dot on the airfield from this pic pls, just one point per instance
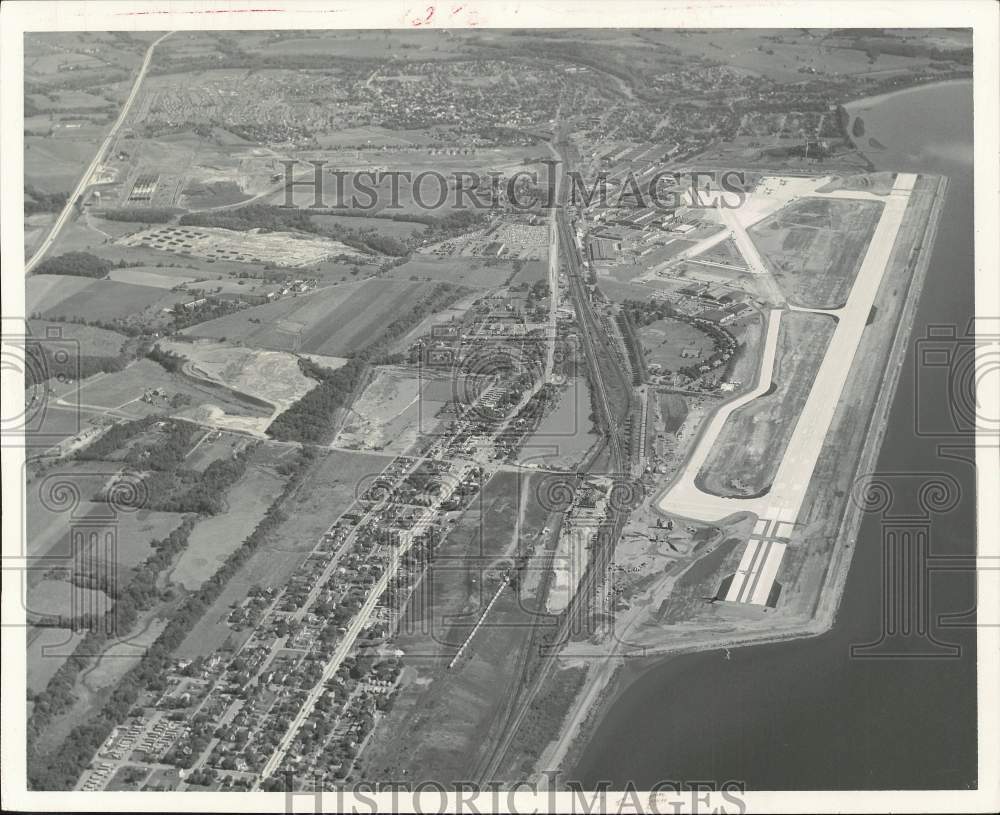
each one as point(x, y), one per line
point(779, 507)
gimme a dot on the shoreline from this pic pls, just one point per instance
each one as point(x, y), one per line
point(595, 698)
point(864, 103)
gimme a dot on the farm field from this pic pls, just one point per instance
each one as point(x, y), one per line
point(151, 276)
point(749, 450)
point(673, 344)
point(89, 340)
point(332, 321)
point(214, 539)
point(46, 291)
point(107, 301)
point(815, 247)
point(52, 163)
point(391, 413)
point(566, 433)
point(49, 532)
point(327, 491)
point(51, 597)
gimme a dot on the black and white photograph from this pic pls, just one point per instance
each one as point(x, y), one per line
point(500, 407)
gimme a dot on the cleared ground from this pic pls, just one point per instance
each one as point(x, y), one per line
point(753, 440)
point(392, 411)
point(273, 376)
point(815, 247)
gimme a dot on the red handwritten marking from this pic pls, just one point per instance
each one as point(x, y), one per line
point(457, 9)
point(426, 20)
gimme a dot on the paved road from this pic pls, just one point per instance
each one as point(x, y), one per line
point(85, 180)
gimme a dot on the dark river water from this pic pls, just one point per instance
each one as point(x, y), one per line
point(807, 715)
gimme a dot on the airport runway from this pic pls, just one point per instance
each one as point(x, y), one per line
point(784, 500)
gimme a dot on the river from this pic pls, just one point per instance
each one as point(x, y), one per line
point(805, 715)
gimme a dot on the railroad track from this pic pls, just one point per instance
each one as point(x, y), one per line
point(580, 613)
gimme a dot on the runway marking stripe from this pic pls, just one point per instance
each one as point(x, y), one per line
point(765, 578)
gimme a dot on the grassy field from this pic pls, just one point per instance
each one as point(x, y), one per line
point(332, 321)
point(461, 270)
point(326, 492)
point(753, 440)
point(384, 226)
point(46, 291)
point(88, 340)
point(108, 300)
point(214, 539)
point(815, 247)
point(665, 343)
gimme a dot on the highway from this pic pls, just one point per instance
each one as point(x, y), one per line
point(88, 174)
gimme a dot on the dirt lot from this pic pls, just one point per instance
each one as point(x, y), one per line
point(753, 441)
point(273, 376)
point(396, 406)
point(815, 247)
